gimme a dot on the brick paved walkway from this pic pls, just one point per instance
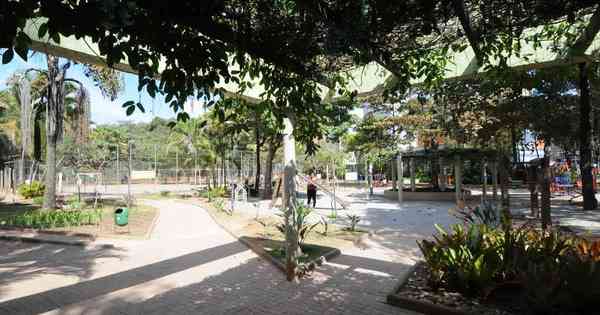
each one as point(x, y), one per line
point(189, 266)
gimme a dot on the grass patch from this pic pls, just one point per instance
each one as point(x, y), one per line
point(243, 224)
point(275, 251)
point(310, 252)
point(141, 219)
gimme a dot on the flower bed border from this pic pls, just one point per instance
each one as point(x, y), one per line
point(329, 255)
point(420, 306)
point(333, 253)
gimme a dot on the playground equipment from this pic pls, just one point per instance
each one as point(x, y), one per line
point(335, 200)
point(351, 168)
point(330, 192)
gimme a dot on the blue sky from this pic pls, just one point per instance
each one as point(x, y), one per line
point(103, 110)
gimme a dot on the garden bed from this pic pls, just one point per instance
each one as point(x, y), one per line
point(274, 251)
point(415, 294)
point(262, 236)
point(489, 266)
point(141, 221)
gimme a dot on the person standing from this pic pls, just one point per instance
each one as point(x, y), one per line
point(311, 191)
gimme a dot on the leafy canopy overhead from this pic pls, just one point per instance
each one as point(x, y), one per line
point(198, 41)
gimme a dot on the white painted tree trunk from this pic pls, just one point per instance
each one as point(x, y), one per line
point(413, 186)
point(289, 199)
point(394, 182)
point(370, 178)
point(483, 180)
point(458, 178)
point(443, 174)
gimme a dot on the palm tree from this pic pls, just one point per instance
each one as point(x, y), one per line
point(57, 92)
point(9, 116)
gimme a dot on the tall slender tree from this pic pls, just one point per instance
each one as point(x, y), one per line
point(55, 94)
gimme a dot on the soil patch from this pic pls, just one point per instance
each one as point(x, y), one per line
point(141, 221)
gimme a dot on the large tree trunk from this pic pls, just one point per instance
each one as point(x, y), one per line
point(532, 181)
point(504, 184)
point(289, 201)
point(37, 141)
point(585, 141)
point(435, 172)
point(258, 147)
point(24, 95)
point(546, 214)
point(513, 143)
point(223, 170)
point(271, 151)
point(54, 125)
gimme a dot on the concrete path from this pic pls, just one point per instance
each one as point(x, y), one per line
point(190, 265)
point(396, 228)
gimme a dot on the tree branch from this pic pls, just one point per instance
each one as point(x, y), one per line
point(75, 81)
point(36, 70)
point(585, 39)
point(465, 21)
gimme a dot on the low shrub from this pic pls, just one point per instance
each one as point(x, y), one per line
point(47, 219)
point(31, 190)
point(217, 192)
point(553, 272)
point(38, 200)
point(353, 219)
point(299, 222)
point(485, 213)
point(219, 204)
point(164, 193)
point(73, 203)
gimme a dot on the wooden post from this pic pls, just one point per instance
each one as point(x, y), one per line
point(444, 176)
point(394, 181)
point(533, 182)
point(413, 186)
point(494, 171)
point(370, 178)
point(400, 178)
point(483, 180)
point(458, 178)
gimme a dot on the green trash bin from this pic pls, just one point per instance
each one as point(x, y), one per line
point(122, 216)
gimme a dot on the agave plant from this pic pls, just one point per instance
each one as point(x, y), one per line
point(354, 219)
point(485, 213)
point(299, 222)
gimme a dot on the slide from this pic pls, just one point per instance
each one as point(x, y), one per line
point(343, 203)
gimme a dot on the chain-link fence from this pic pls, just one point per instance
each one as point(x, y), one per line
point(139, 171)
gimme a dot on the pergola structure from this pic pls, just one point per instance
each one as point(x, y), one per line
point(365, 80)
point(455, 157)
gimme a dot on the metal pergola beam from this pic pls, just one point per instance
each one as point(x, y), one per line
point(365, 80)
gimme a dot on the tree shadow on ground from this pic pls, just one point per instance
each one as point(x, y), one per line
point(24, 261)
point(348, 285)
point(70, 264)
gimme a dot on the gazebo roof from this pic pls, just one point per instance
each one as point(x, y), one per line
point(463, 153)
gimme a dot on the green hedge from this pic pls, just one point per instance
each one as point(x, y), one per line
point(47, 219)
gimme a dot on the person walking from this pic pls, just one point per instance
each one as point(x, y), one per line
point(311, 191)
